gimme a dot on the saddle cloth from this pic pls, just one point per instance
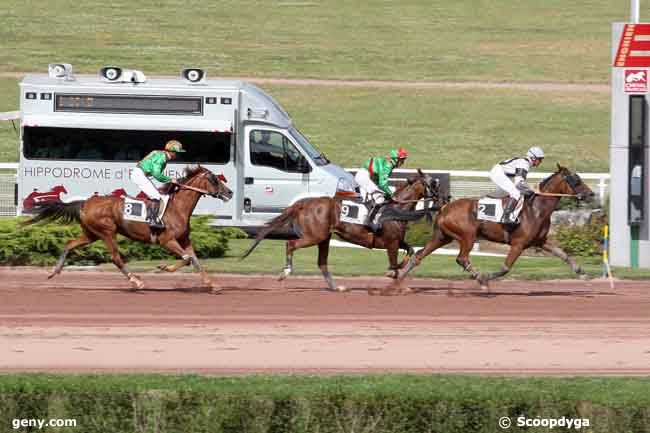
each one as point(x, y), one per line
point(491, 209)
point(353, 212)
point(136, 210)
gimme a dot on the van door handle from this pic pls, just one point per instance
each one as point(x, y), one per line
point(248, 181)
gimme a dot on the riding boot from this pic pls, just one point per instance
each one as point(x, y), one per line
point(154, 219)
point(508, 210)
point(370, 222)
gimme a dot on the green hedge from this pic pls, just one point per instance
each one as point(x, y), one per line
point(377, 404)
point(585, 240)
point(41, 244)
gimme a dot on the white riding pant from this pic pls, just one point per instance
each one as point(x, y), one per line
point(502, 181)
point(145, 184)
point(369, 191)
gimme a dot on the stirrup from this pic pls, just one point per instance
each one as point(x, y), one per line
point(156, 223)
point(507, 221)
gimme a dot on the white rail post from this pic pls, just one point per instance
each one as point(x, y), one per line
point(634, 11)
point(602, 187)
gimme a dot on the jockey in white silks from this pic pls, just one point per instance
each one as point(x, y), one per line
point(510, 176)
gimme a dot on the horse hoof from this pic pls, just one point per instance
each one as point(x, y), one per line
point(136, 283)
point(215, 289)
point(341, 289)
point(392, 273)
point(52, 275)
point(161, 268)
point(285, 273)
point(584, 277)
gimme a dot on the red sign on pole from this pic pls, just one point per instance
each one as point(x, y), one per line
point(636, 81)
point(634, 47)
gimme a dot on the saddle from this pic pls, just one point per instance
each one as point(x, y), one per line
point(491, 208)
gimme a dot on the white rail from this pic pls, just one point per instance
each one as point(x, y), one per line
point(463, 183)
point(468, 183)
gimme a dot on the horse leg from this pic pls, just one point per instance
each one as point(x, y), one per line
point(185, 244)
point(82, 240)
point(553, 248)
point(462, 259)
point(393, 272)
point(176, 266)
point(438, 240)
point(392, 250)
point(292, 246)
point(187, 255)
point(205, 278)
point(513, 254)
point(409, 253)
point(111, 243)
point(323, 252)
point(288, 262)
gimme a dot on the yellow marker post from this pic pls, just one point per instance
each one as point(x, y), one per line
point(607, 271)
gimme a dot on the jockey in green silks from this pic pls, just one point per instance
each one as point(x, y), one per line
point(153, 165)
point(373, 181)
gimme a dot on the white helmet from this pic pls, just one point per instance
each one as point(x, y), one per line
point(535, 153)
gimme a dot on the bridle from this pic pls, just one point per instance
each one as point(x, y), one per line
point(572, 180)
point(218, 194)
point(429, 193)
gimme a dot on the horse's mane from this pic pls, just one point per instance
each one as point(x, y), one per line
point(403, 184)
point(543, 183)
point(190, 172)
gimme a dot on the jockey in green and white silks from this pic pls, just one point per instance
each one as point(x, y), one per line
point(373, 180)
point(153, 165)
point(510, 178)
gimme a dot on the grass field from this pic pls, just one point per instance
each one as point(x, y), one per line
point(442, 128)
point(501, 40)
point(268, 258)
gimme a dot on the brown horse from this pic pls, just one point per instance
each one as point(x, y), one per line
point(458, 221)
point(315, 219)
point(101, 217)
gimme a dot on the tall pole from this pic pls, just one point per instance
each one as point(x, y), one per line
point(634, 11)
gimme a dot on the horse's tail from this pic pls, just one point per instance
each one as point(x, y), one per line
point(64, 213)
point(279, 221)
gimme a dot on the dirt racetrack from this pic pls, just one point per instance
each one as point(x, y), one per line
point(89, 321)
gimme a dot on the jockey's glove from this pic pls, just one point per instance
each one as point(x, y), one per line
point(525, 189)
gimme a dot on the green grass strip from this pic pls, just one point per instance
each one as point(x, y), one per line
point(372, 403)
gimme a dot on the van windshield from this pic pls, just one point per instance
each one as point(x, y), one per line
point(316, 155)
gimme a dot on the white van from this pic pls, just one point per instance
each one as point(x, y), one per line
point(82, 135)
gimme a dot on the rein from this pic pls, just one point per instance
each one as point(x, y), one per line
point(554, 194)
point(411, 201)
point(191, 188)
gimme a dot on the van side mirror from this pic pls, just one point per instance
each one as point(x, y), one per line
point(302, 165)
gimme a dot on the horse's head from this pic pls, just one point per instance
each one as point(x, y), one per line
point(203, 179)
point(564, 181)
point(419, 186)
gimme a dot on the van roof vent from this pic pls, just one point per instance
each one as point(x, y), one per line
point(257, 113)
